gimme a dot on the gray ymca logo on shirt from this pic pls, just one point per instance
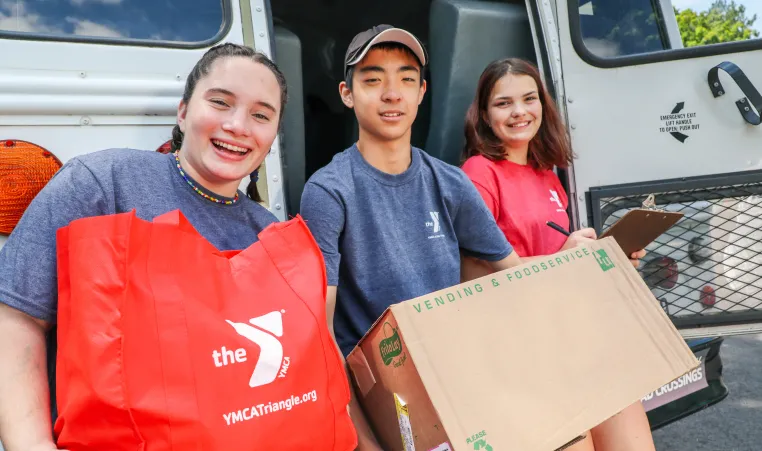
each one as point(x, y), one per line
point(434, 225)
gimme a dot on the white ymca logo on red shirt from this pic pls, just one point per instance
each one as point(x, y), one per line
point(554, 198)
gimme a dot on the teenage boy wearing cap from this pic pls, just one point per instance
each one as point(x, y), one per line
point(391, 220)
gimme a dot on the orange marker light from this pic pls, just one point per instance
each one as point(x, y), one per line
point(25, 168)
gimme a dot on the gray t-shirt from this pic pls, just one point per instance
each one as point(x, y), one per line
point(108, 182)
point(388, 238)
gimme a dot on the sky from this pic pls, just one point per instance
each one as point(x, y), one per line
point(180, 20)
point(752, 7)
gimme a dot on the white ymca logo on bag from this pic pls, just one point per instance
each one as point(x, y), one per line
point(264, 331)
point(554, 198)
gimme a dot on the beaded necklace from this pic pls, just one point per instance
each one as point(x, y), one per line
point(198, 190)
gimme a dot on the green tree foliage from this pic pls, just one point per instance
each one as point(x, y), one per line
point(725, 21)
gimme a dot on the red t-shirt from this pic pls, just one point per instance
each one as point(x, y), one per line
point(522, 199)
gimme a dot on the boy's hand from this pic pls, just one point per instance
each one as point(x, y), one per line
point(636, 256)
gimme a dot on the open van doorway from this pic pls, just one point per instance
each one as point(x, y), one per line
point(462, 37)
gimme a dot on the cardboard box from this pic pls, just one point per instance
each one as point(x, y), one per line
point(527, 359)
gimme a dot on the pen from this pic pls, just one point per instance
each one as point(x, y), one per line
point(557, 227)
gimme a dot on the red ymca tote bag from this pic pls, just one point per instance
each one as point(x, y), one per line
point(166, 343)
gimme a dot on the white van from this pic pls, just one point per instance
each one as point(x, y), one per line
point(645, 115)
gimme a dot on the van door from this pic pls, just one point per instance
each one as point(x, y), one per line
point(81, 76)
point(648, 115)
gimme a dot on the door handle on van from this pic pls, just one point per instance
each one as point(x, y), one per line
point(745, 104)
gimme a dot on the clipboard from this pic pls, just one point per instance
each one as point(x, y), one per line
point(640, 227)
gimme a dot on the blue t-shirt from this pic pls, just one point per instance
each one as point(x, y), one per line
point(108, 182)
point(388, 238)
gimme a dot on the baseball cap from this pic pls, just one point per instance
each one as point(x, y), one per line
point(363, 41)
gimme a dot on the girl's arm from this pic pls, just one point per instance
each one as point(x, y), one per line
point(24, 394)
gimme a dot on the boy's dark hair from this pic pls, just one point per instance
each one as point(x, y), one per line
point(201, 70)
point(388, 46)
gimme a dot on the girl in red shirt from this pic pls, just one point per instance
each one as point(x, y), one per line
point(514, 138)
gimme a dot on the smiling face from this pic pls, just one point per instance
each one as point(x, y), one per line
point(386, 91)
point(514, 111)
point(229, 123)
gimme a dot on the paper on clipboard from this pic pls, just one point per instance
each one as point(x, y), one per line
point(640, 227)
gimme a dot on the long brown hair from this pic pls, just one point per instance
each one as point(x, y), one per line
point(549, 147)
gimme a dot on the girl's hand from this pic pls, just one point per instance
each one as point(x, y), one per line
point(586, 235)
point(578, 237)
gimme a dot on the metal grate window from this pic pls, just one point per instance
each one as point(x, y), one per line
point(707, 269)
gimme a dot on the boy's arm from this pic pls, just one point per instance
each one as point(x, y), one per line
point(324, 214)
point(484, 246)
point(365, 438)
point(472, 268)
point(510, 261)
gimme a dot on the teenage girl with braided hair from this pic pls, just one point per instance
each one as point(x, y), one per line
point(227, 120)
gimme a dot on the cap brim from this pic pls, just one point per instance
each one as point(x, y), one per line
point(393, 35)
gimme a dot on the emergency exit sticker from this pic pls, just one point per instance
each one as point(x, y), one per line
point(679, 122)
